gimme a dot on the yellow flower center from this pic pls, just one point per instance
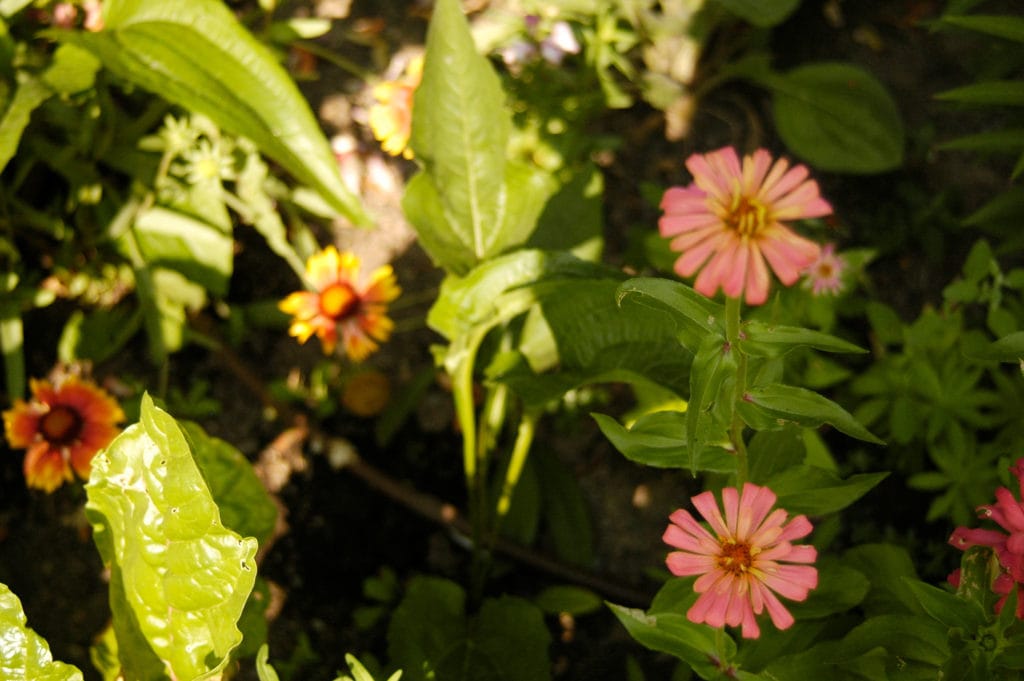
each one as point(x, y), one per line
point(735, 557)
point(825, 270)
point(337, 300)
point(61, 425)
point(747, 216)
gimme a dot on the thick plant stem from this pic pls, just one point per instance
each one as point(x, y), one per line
point(732, 336)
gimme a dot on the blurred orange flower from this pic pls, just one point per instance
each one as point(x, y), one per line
point(391, 116)
point(339, 302)
point(62, 427)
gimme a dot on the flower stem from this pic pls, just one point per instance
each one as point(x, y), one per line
point(732, 335)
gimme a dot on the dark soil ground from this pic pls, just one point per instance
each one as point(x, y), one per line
point(342, 530)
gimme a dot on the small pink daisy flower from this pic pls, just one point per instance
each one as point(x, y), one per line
point(732, 219)
point(742, 565)
point(825, 275)
point(1008, 513)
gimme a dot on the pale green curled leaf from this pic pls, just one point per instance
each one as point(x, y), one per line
point(245, 506)
point(202, 252)
point(359, 672)
point(1001, 26)
point(762, 13)
point(264, 669)
point(802, 406)
point(987, 93)
point(816, 491)
point(659, 440)
point(179, 578)
point(837, 117)
point(713, 366)
point(29, 93)
point(24, 654)
point(770, 340)
point(469, 202)
point(197, 55)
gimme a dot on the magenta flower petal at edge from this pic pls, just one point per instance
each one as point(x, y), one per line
point(730, 223)
point(1008, 544)
point(744, 561)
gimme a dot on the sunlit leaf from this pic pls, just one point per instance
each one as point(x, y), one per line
point(804, 407)
point(659, 440)
point(179, 578)
point(196, 54)
point(24, 654)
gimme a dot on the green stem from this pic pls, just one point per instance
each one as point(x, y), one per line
point(520, 450)
point(732, 335)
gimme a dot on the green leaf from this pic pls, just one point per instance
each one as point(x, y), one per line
point(945, 606)
point(1004, 209)
point(712, 366)
point(565, 510)
point(763, 13)
point(245, 506)
point(509, 635)
point(179, 578)
point(29, 94)
point(196, 54)
point(988, 93)
point(695, 314)
point(672, 633)
point(840, 588)
point(886, 566)
point(24, 654)
point(770, 340)
point(468, 203)
point(263, 668)
point(914, 643)
point(72, 70)
point(1009, 141)
point(427, 627)
point(805, 407)
point(1001, 26)
point(1009, 348)
point(199, 250)
point(659, 440)
point(12, 346)
point(816, 491)
point(838, 117)
point(574, 600)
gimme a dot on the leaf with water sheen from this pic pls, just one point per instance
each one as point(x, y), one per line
point(197, 55)
point(179, 578)
point(24, 654)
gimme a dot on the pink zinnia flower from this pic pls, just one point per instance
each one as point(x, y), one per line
point(825, 275)
point(741, 565)
point(1008, 513)
point(731, 219)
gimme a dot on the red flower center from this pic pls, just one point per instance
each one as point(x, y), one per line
point(61, 425)
point(337, 300)
point(746, 216)
point(735, 557)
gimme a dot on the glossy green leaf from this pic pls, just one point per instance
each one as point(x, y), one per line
point(245, 506)
point(179, 578)
point(838, 117)
point(804, 407)
point(987, 93)
point(468, 203)
point(946, 607)
point(762, 13)
point(1001, 26)
point(712, 366)
point(816, 491)
point(672, 633)
point(659, 440)
point(24, 654)
point(695, 314)
point(197, 249)
point(196, 54)
point(770, 340)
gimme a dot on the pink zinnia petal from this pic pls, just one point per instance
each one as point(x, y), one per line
point(733, 216)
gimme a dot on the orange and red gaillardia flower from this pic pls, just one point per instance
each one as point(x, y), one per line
point(62, 428)
point(391, 116)
point(732, 219)
point(744, 561)
point(340, 305)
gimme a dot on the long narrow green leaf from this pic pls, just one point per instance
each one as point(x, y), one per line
point(24, 654)
point(1009, 141)
point(30, 93)
point(989, 93)
point(804, 407)
point(770, 340)
point(712, 366)
point(179, 578)
point(1001, 26)
point(196, 54)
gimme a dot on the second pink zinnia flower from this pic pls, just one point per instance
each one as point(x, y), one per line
point(731, 220)
point(743, 564)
